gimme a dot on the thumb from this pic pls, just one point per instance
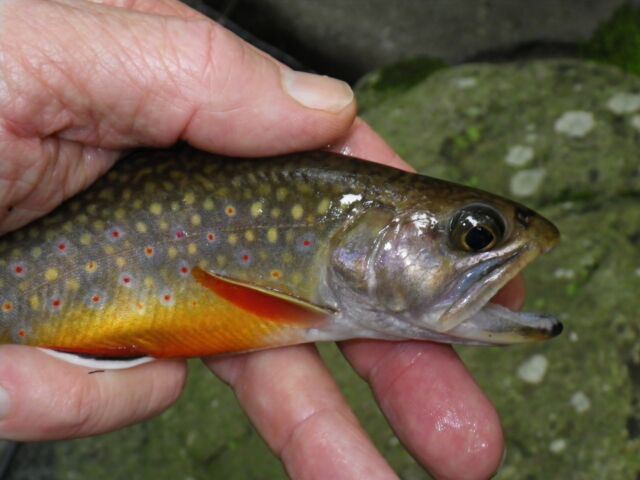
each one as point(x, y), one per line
point(112, 78)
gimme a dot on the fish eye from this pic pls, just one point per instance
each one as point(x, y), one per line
point(477, 228)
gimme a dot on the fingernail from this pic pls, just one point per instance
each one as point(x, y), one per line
point(4, 403)
point(316, 91)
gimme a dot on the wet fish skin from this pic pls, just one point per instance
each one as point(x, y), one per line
point(179, 253)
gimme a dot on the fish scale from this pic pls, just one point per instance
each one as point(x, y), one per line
point(182, 253)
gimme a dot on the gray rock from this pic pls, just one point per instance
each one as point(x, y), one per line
point(350, 38)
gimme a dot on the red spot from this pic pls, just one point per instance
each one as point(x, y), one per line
point(115, 234)
point(167, 298)
point(126, 280)
point(148, 251)
point(22, 333)
point(180, 234)
point(95, 299)
point(306, 243)
point(56, 302)
point(211, 237)
point(62, 247)
point(258, 303)
point(245, 258)
point(19, 269)
point(184, 270)
point(231, 211)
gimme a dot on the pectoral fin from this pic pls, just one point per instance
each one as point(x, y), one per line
point(262, 302)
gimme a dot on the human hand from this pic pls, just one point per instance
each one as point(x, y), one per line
point(80, 83)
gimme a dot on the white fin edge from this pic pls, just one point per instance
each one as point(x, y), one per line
point(95, 363)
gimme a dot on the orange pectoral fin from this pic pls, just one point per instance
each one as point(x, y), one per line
point(263, 303)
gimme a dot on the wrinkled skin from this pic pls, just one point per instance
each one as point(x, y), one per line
point(81, 82)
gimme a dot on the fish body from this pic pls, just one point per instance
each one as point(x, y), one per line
point(179, 253)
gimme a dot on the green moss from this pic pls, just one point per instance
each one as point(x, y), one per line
point(617, 42)
point(389, 81)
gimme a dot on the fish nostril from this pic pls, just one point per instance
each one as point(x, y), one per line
point(523, 215)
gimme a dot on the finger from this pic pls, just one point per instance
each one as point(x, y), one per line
point(434, 406)
point(512, 294)
point(297, 408)
point(174, 8)
point(114, 78)
point(361, 141)
point(42, 398)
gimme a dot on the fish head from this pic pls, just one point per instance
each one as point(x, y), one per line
point(433, 266)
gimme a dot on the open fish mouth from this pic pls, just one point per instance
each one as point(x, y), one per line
point(474, 320)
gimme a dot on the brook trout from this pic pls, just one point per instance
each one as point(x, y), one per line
point(180, 253)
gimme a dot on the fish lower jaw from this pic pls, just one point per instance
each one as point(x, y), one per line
point(479, 295)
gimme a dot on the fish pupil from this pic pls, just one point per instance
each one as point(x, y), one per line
point(478, 238)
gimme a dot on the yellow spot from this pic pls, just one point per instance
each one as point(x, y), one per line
point(91, 266)
point(208, 204)
point(296, 278)
point(98, 225)
point(281, 193)
point(155, 208)
point(72, 285)
point(126, 194)
point(34, 301)
point(139, 307)
point(232, 239)
point(82, 219)
point(196, 220)
point(249, 235)
point(272, 235)
point(148, 282)
point(221, 260)
point(92, 209)
point(276, 274)
point(108, 249)
point(203, 264)
point(141, 227)
point(297, 211)
point(172, 252)
point(121, 262)
point(164, 226)
point(256, 209)
point(85, 239)
point(137, 204)
point(323, 206)
point(51, 274)
point(192, 249)
point(68, 227)
point(264, 189)
point(149, 187)
point(36, 252)
point(275, 213)
point(289, 236)
point(24, 286)
point(230, 211)
point(189, 198)
point(120, 214)
point(106, 194)
point(175, 206)
point(287, 257)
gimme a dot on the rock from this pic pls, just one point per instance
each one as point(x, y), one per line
point(351, 38)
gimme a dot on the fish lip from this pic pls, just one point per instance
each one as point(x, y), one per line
point(471, 300)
